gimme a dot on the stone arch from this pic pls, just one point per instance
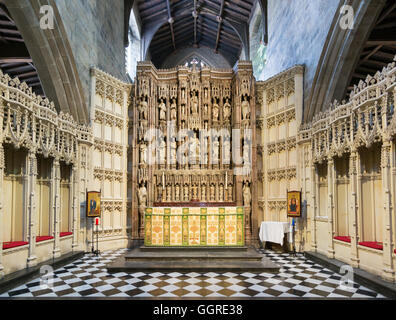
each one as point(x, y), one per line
point(205, 54)
point(340, 55)
point(52, 56)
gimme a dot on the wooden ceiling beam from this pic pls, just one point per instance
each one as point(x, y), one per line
point(220, 21)
point(381, 42)
point(386, 13)
point(170, 21)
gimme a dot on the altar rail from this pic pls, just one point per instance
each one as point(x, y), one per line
point(194, 226)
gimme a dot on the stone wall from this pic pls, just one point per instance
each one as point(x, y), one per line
point(95, 31)
point(297, 33)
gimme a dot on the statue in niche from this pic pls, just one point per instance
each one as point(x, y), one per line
point(227, 151)
point(215, 111)
point(246, 154)
point(221, 193)
point(203, 192)
point(194, 192)
point(206, 93)
point(183, 111)
point(212, 192)
point(247, 197)
point(143, 153)
point(143, 109)
point(159, 191)
point(177, 193)
point(161, 151)
point(245, 108)
point(168, 193)
point(173, 152)
point(195, 146)
point(206, 109)
point(186, 193)
point(162, 108)
point(215, 154)
point(173, 109)
point(183, 93)
point(227, 110)
point(142, 200)
point(194, 105)
point(229, 193)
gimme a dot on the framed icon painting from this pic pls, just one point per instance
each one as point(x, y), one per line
point(93, 204)
point(294, 204)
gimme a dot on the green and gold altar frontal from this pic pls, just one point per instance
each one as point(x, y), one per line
point(212, 226)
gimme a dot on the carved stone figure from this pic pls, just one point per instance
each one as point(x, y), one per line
point(203, 192)
point(227, 110)
point(215, 154)
point(186, 193)
point(194, 105)
point(247, 196)
point(161, 151)
point(226, 151)
point(212, 192)
point(195, 146)
point(245, 108)
point(173, 150)
point(143, 153)
point(215, 110)
point(173, 109)
point(168, 193)
point(229, 191)
point(142, 200)
point(221, 193)
point(162, 108)
point(246, 154)
point(143, 109)
point(177, 193)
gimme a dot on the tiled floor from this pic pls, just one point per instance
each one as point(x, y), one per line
point(298, 278)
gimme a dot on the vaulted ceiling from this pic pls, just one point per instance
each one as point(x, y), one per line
point(221, 25)
point(14, 56)
point(380, 47)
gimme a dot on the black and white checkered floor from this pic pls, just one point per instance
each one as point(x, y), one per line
point(88, 277)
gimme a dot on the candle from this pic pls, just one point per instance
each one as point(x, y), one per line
point(163, 180)
point(226, 184)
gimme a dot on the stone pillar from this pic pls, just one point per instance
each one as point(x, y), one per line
point(2, 166)
point(32, 214)
point(388, 271)
point(330, 206)
point(353, 216)
point(56, 208)
point(75, 205)
point(314, 188)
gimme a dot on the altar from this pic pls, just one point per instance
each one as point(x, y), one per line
point(178, 226)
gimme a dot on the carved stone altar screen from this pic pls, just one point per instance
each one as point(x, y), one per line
point(190, 116)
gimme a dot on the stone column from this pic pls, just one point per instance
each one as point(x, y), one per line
point(56, 208)
point(353, 216)
point(314, 188)
point(32, 214)
point(75, 205)
point(330, 206)
point(2, 166)
point(388, 271)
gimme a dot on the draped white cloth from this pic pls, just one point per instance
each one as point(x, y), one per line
point(272, 231)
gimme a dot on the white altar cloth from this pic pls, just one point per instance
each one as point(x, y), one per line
point(272, 231)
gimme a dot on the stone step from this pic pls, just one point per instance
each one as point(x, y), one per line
point(183, 260)
point(184, 255)
point(120, 265)
point(191, 248)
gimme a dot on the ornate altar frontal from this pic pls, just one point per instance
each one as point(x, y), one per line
point(193, 156)
point(194, 226)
